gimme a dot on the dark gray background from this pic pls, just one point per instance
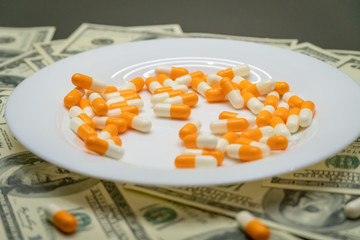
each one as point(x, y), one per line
point(327, 23)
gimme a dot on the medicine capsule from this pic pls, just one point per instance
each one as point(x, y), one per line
point(191, 127)
point(126, 92)
point(252, 226)
point(82, 129)
point(242, 70)
point(98, 104)
point(232, 93)
point(215, 95)
point(219, 155)
point(241, 82)
point(161, 97)
point(137, 102)
point(263, 118)
point(225, 140)
point(199, 85)
point(229, 125)
point(293, 100)
point(152, 84)
point(275, 142)
point(76, 111)
point(306, 113)
point(171, 88)
point(200, 141)
point(247, 141)
point(86, 82)
point(279, 127)
point(260, 88)
point(61, 218)
point(195, 161)
point(292, 121)
point(101, 122)
point(186, 79)
point(281, 88)
point(111, 95)
point(103, 147)
point(352, 209)
point(86, 107)
point(73, 97)
point(272, 99)
point(190, 99)
point(227, 114)
point(257, 133)
point(213, 80)
point(137, 122)
point(252, 103)
point(116, 112)
point(244, 152)
point(131, 96)
point(114, 140)
point(165, 80)
point(174, 111)
point(172, 72)
point(110, 89)
point(137, 84)
point(282, 111)
point(108, 131)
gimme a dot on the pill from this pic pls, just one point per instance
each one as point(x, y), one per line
point(170, 88)
point(86, 82)
point(272, 99)
point(263, 118)
point(244, 152)
point(114, 100)
point(227, 114)
point(191, 127)
point(282, 111)
point(200, 85)
point(258, 133)
point(186, 79)
point(86, 107)
point(174, 111)
point(82, 129)
point(111, 95)
point(222, 126)
point(219, 155)
point(108, 131)
point(242, 70)
point(265, 149)
point(101, 122)
point(293, 100)
point(260, 88)
point(252, 226)
point(306, 113)
point(172, 72)
point(116, 112)
point(114, 140)
point(161, 97)
point(130, 96)
point(126, 91)
point(76, 111)
point(61, 218)
point(152, 84)
point(103, 147)
point(252, 103)
point(98, 104)
point(225, 140)
point(137, 84)
point(279, 127)
point(241, 82)
point(165, 80)
point(232, 93)
point(275, 142)
point(281, 88)
point(110, 89)
point(195, 161)
point(352, 209)
point(200, 141)
point(215, 95)
point(73, 97)
point(136, 122)
point(213, 80)
point(137, 102)
point(190, 99)
point(292, 121)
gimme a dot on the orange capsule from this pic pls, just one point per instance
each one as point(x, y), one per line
point(191, 127)
point(190, 99)
point(98, 104)
point(172, 72)
point(219, 155)
point(225, 140)
point(117, 104)
point(103, 147)
point(110, 89)
point(293, 100)
point(108, 131)
point(199, 85)
point(272, 99)
point(131, 96)
point(136, 122)
point(136, 84)
point(279, 126)
point(281, 88)
point(265, 150)
point(232, 93)
point(195, 161)
point(86, 82)
point(215, 95)
point(101, 122)
point(306, 113)
point(171, 88)
point(187, 79)
point(263, 118)
point(114, 140)
point(200, 141)
point(257, 133)
point(82, 129)
point(222, 126)
point(86, 107)
point(252, 103)
point(174, 111)
point(275, 142)
point(282, 111)
point(252, 226)
point(116, 112)
point(161, 97)
point(244, 152)
point(76, 111)
point(292, 121)
point(241, 82)
point(61, 218)
point(240, 70)
point(165, 80)
point(152, 84)
point(73, 97)
point(126, 92)
point(260, 88)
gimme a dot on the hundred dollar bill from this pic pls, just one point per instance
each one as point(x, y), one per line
point(345, 53)
point(15, 41)
point(309, 214)
point(351, 66)
point(36, 63)
point(47, 49)
point(171, 28)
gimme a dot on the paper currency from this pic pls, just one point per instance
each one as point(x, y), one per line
point(351, 66)
point(36, 63)
point(345, 53)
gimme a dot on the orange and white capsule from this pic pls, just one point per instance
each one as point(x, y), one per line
point(282, 111)
point(137, 84)
point(281, 88)
point(225, 140)
point(232, 93)
point(213, 80)
point(272, 99)
point(172, 72)
point(247, 141)
point(174, 111)
point(279, 126)
point(215, 95)
point(117, 103)
point(114, 140)
point(263, 118)
point(73, 97)
point(293, 100)
point(227, 114)
point(200, 85)
point(76, 111)
point(186, 79)
point(86, 107)
point(101, 122)
point(108, 131)
point(222, 126)
point(136, 122)
point(275, 142)
point(165, 80)
point(86, 82)
point(257, 133)
point(252, 226)
point(152, 84)
point(219, 155)
point(82, 129)
point(208, 141)
point(242, 70)
point(126, 92)
point(241, 82)
point(244, 152)
point(260, 88)
point(103, 147)
point(195, 161)
point(98, 104)
point(110, 89)
point(183, 88)
point(252, 103)
point(61, 218)
point(116, 112)
point(191, 127)
point(161, 97)
point(292, 121)
point(190, 99)
point(306, 113)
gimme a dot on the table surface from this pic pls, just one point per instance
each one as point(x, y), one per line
point(330, 24)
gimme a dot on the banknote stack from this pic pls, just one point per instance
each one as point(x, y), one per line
point(305, 204)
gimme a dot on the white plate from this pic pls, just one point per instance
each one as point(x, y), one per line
point(38, 119)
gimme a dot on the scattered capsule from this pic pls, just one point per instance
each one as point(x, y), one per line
point(352, 209)
point(61, 218)
point(215, 95)
point(244, 152)
point(137, 102)
point(137, 122)
point(103, 147)
point(252, 226)
point(213, 80)
point(114, 140)
point(247, 141)
point(293, 100)
point(279, 126)
point(275, 142)
point(232, 93)
point(171, 88)
point(161, 97)
point(165, 80)
point(272, 99)
point(115, 100)
point(186, 79)
point(258, 133)
point(195, 161)
point(130, 96)
point(292, 121)
point(116, 112)
point(82, 129)
point(200, 86)
point(227, 114)
point(108, 131)
point(229, 125)
point(73, 97)
point(172, 72)
point(219, 155)
point(190, 99)
point(306, 113)
point(242, 70)
point(76, 111)
point(111, 95)
point(86, 107)
point(174, 111)
point(137, 84)
point(98, 104)
point(241, 82)
point(252, 103)
point(101, 122)
point(263, 118)
point(225, 140)
point(86, 82)
point(152, 84)
point(282, 111)
point(191, 127)
point(126, 92)
point(110, 89)
point(260, 88)
point(281, 88)
point(200, 141)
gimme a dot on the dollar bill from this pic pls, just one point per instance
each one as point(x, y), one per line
point(351, 66)
point(36, 63)
point(344, 53)
point(47, 49)
point(15, 41)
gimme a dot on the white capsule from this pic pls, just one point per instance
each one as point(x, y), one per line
point(213, 80)
point(282, 130)
point(265, 86)
point(238, 79)
point(352, 209)
point(153, 86)
point(111, 95)
point(128, 85)
point(162, 69)
point(75, 111)
point(159, 98)
point(207, 141)
point(292, 123)
point(242, 70)
point(115, 100)
point(305, 117)
point(235, 99)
